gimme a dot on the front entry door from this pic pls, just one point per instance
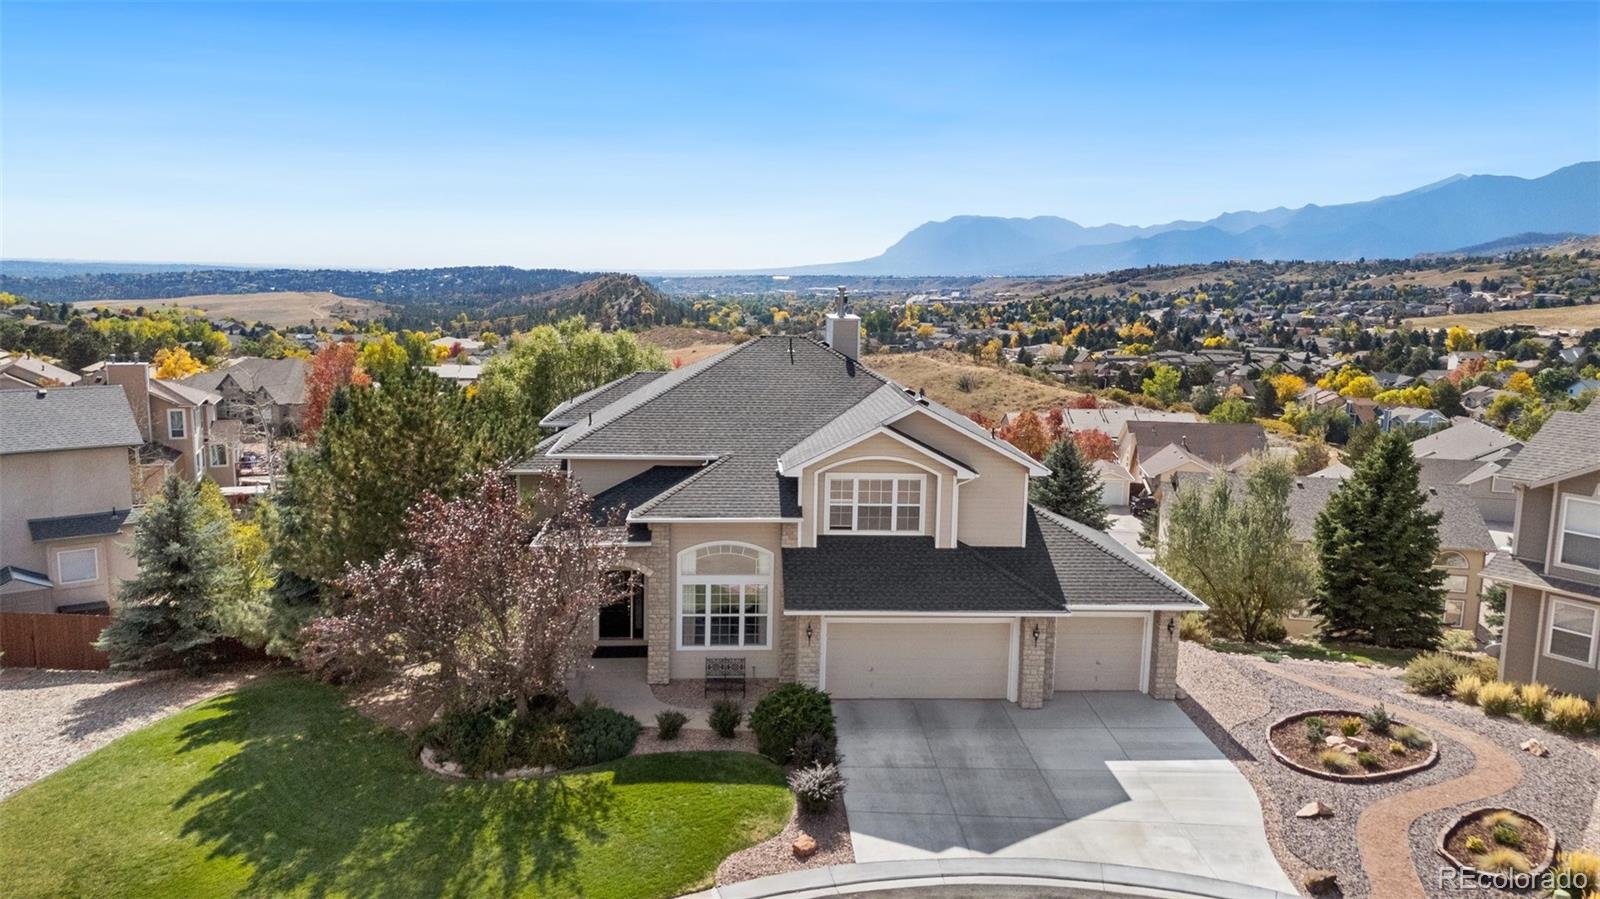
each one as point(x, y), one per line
point(625, 620)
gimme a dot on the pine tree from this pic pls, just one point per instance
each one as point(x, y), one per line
point(1376, 543)
point(1073, 487)
point(168, 614)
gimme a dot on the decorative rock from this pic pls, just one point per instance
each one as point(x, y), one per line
point(1357, 742)
point(1321, 882)
point(1314, 809)
point(1534, 746)
point(805, 846)
point(1333, 740)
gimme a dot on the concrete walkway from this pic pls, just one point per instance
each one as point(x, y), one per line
point(620, 684)
point(1112, 778)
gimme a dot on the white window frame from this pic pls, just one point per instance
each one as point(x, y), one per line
point(1562, 531)
point(764, 558)
point(1550, 629)
point(1451, 559)
point(182, 430)
point(94, 553)
point(1465, 584)
point(895, 505)
point(212, 449)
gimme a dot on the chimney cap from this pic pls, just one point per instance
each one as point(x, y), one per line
point(39, 394)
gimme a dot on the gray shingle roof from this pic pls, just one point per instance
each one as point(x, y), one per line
point(578, 408)
point(1506, 568)
point(94, 524)
point(66, 418)
point(640, 489)
point(1219, 444)
point(1063, 565)
point(1464, 439)
point(1568, 444)
point(284, 380)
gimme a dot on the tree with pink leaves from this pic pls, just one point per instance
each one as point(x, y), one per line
point(494, 597)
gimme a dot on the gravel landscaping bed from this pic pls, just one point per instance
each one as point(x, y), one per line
point(1559, 789)
point(831, 830)
point(693, 741)
point(50, 719)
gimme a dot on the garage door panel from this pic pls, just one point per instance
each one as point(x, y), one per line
point(918, 661)
point(1099, 653)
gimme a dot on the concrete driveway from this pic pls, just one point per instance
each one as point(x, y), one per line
point(1116, 778)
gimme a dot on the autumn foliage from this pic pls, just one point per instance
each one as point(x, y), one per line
point(1094, 445)
point(333, 366)
point(1027, 432)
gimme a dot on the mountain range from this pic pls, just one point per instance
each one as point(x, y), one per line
point(1460, 211)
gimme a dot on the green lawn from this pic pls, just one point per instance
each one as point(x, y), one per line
point(1322, 651)
point(280, 789)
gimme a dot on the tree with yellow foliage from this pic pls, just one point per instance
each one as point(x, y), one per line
point(990, 351)
point(1520, 382)
point(175, 363)
point(1458, 339)
point(924, 331)
point(1288, 386)
point(1405, 396)
point(1136, 332)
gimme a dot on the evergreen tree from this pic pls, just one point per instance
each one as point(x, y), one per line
point(1376, 543)
point(1073, 487)
point(169, 613)
point(1266, 397)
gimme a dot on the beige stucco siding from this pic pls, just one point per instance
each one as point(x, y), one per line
point(690, 662)
point(49, 485)
point(596, 475)
point(1533, 524)
point(993, 505)
point(1521, 634)
point(886, 455)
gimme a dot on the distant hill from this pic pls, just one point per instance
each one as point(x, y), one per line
point(1530, 240)
point(60, 268)
point(1459, 211)
point(611, 300)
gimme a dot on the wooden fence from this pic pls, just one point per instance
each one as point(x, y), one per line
point(30, 640)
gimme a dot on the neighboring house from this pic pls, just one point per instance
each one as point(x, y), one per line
point(787, 506)
point(1110, 420)
point(1156, 452)
point(29, 372)
point(1390, 416)
point(1116, 483)
point(270, 392)
point(459, 374)
point(1477, 400)
point(1579, 388)
point(1464, 544)
point(66, 498)
point(1469, 454)
point(1552, 574)
point(179, 423)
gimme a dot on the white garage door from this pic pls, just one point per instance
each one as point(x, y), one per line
point(1098, 653)
point(918, 661)
point(1114, 493)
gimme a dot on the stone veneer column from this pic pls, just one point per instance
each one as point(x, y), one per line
point(1164, 657)
point(657, 558)
point(788, 653)
point(808, 653)
point(1050, 657)
point(1030, 689)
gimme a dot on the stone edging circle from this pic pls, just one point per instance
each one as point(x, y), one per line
point(436, 765)
point(1363, 778)
point(1543, 864)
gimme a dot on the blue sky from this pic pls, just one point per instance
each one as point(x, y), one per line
point(681, 136)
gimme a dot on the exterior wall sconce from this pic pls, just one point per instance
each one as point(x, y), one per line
point(1172, 625)
point(1036, 635)
point(808, 632)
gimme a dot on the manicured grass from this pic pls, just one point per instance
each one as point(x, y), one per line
point(1322, 652)
point(280, 789)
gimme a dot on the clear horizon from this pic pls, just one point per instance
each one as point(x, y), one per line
point(694, 137)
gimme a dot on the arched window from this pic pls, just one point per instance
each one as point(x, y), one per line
point(1451, 560)
point(724, 596)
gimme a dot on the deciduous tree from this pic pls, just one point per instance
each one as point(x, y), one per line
point(1027, 433)
point(1094, 444)
point(334, 366)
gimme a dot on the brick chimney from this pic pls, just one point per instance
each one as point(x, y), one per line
point(842, 329)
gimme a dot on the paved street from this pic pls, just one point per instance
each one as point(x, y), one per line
point(1117, 778)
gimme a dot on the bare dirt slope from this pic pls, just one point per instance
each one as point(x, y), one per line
point(994, 391)
point(280, 309)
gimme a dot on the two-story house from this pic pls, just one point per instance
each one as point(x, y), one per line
point(178, 422)
point(1552, 574)
point(267, 392)
point(66, 498)
point(788, 506)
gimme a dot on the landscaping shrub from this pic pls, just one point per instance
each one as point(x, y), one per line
point(1378, 719)
point(817, 787)
point(1466, 689)
point(725, 717)
point(1487, 669)
point(1397, 748)
point(1535, 699)
point(1367, 759)
point(1476, 845)
point(1505, 860)
point(1193, 627)
point(1578, 873)
point(1411, 737)
point(813, 749)
point(1498, 698)
point(479, 740)
point(1336, 761)
point(1569, 714)
point(599, 735)
point(1350, 726)
point(668, 724)
point(1506, 835)
point(1434, 673)
point(1457, 640)
point(1316, 730)
point(787, 714)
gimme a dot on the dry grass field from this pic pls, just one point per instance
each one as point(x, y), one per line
point(277, 308)
point(994, 392)
point(1578, 317)
point(685, 346)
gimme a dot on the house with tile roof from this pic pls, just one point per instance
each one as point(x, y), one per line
point(1552, 573)
point(66, 498)
point(783, 504)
